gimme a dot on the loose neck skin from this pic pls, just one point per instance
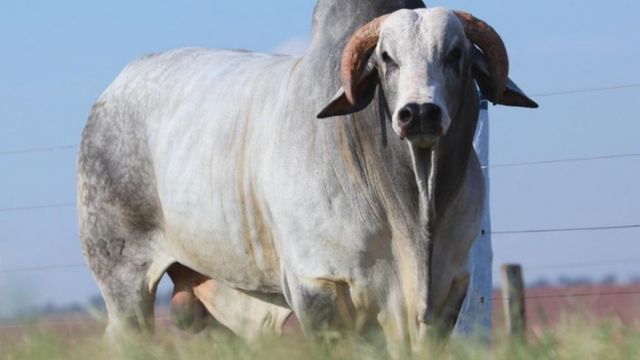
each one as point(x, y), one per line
point(406, 186)
point(413, 183)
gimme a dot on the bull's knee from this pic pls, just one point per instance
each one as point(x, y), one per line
point(323, 305)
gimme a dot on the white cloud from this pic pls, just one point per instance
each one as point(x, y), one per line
point(295, 46)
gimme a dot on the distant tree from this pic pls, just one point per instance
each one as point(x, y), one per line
point(574, 281)
point(609, 279)
point(541, 283)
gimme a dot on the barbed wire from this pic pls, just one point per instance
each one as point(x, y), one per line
point(37, 207)
point(568, 160)
point(575, 295)
point(527, 267)
point(37, 150)
point(509, 232)
point(545, 94)
point(572, 229)
point(42, 268)
point(494, 298)
point(587, 90)
point(582, 264)
point(500, 165)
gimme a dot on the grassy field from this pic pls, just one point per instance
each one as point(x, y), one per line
point(571, 339)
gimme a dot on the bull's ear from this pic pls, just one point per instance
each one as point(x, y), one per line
point(512, 95)
point(364, 93)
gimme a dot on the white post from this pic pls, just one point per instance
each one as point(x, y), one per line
point(477, 309)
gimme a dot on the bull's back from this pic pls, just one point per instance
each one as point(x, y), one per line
point(182, 131)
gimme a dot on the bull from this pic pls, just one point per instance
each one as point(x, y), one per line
point(212, 166)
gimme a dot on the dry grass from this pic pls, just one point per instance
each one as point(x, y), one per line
point(572, 339)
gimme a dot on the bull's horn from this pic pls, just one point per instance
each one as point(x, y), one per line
point(488, 40)
point(356, 54)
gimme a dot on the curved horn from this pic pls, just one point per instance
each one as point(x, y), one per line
point(488, 40)
point(356, 53)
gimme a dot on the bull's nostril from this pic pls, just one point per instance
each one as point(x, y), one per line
point(408, 114)
point(430, 111)
point(435, 112)
point(405, 115)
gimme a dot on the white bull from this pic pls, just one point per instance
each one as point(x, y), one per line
point(213, 162)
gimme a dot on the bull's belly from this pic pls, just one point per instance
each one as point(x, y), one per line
point(234, 252)
point(214, 220)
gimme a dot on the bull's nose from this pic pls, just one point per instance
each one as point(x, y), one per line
point(420, 118)
point(430, 113)
point(408, 115)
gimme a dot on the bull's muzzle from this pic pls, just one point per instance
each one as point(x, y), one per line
point(420, 123)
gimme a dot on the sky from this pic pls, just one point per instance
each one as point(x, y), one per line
point(57, 57)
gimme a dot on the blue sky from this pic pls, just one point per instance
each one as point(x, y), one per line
point(57, 57)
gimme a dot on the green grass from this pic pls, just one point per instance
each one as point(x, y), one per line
point(573, 339)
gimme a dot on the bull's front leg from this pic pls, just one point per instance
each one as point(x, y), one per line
point(323, 306)
point(452, 306)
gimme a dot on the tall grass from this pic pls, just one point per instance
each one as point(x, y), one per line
point(572, 339)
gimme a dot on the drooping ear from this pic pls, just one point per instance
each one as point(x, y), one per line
point(512, 95)
point(363, 94)
point(491, 66)
point(358, 74)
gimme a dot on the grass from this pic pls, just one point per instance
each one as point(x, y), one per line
point(572, 339)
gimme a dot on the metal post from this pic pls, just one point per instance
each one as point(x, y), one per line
point(477, 310)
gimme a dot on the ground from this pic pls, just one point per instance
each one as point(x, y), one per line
point(581, 322)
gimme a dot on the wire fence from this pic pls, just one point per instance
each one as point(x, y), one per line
point(568, 229)
point(73, 266)
point(42, 268)
point(37, 207)
point(76, 266)
point(530, 297)
point(37, 150)
point(587, 90)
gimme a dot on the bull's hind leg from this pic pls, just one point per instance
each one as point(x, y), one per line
point(120, 216)
point(124, 253)
point(127, 275)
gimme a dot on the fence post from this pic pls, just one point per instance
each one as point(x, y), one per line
point(476, 313)
point(513, 300)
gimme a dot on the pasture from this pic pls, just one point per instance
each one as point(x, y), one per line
point(572, 338)
point(578, 322)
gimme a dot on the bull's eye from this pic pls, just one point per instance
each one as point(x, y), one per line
point(390, 65)
point(453, 59)
point(386, 58)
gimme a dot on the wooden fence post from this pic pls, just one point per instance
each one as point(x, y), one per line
point(513, 300)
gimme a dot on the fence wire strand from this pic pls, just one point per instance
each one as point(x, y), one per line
point(561, 161)
point(494, 298)
point(587, 90)
point(37, 207)
point(42, 268)
point(569, 229)
point(37, 150)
